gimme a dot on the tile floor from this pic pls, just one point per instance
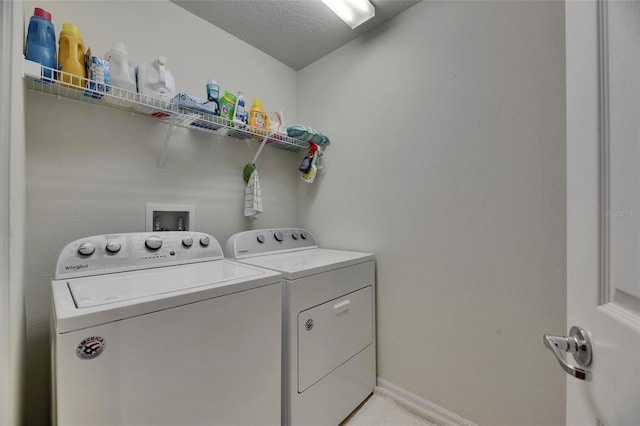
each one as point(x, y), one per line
point(382, 410)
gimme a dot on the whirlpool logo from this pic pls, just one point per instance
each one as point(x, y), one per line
point(74, 268)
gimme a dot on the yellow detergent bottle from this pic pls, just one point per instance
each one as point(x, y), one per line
point(257, 117)
point(71, 56)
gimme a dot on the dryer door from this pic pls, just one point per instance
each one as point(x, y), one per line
point(331, 333)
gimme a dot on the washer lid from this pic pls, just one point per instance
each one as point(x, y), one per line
point(299, 264)
point(111, 288)
point(89, 301)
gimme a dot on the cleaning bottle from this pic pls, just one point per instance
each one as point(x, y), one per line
point(227, 105)
point(213, 95)
point(41, 41)
point(71, 56)
point(240, 109)
point(155, 80)
point(257, 117)
point(122, 73)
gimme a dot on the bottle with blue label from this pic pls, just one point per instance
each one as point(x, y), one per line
point(41, 41)
point(213, 95)
point(240, 109)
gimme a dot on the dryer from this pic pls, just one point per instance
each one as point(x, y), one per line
point(160, 329)
point(329, 343)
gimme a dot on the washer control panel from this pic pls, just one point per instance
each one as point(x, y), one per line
point(267, 241)
point(103, 254)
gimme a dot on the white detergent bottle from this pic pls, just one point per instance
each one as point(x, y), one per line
point(121, 71)
point(240, 109)
point(155, 80)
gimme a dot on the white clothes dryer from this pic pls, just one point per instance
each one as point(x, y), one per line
point(160, 329)
point(329, 343)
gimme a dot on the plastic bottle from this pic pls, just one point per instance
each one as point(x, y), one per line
point(41, 41)
point(155, 80)
point(257, 117)
point(71, 55)
point(213, 95)
point(240, 109)
point(122, 73)
point(227, 105)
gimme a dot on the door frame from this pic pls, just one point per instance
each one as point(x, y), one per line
point(12, 213)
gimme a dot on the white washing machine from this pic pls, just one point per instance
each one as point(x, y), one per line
point(160, 329)
point(329, 344)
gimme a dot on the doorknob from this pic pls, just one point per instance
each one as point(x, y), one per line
point(578, 343)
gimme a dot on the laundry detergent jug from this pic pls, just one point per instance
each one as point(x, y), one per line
point(155, 80)
point(122, 73)
point(71, 56)
point(41, 41)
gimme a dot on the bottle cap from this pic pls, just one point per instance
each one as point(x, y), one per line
point(257, 102)
point(71, 29)
point(42, 13)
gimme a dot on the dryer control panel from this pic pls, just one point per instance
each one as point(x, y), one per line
point(268, 241)
point(104, 254)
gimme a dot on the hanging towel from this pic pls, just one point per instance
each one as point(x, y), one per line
point(253, 196)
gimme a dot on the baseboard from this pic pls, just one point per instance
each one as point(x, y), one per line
point(420, 406)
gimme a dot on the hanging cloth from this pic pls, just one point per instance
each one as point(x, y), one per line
point(253, 196)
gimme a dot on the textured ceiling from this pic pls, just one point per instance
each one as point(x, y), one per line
point(295, 32)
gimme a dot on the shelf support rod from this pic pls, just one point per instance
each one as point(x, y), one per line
point(167, 138)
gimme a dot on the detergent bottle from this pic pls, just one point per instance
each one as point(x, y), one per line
point(41, 41)
point(122, 73)
point(213, 95)
point(155, 80)
point(71, 56)
point(239, 110)
point(257, 117)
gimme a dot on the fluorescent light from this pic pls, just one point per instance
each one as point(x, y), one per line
point(353, 12)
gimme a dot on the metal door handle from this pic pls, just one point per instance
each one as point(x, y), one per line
point(578, 344)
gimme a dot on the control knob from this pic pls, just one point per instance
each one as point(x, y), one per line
point(113, 246)
point(260, 238)
point(204, 241)
point(187, 241)
point(86, 249)
point(295, 235)
point(153, 243)
point(278, 236)
point(304, 235)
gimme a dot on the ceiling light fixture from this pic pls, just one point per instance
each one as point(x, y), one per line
point(353, 12)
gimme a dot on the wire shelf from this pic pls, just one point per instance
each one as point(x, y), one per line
point(57, 83)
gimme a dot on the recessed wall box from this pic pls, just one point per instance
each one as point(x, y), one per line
point(170, 217)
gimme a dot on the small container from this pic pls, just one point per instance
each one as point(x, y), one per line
point(213, 95)
point(239, 114)
point(71, 56)
point(122, 73)
point(41, 41)
point(257, 117)
point(155, 80)
point(227, 105)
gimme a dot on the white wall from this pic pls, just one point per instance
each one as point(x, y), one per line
point(448, 161)
point(91, 170)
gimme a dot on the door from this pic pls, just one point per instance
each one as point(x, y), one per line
point(603, 207)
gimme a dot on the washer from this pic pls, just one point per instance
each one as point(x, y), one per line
point(329, 356)
point(160, 329)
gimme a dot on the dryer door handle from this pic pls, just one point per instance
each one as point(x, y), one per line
point(341, 306)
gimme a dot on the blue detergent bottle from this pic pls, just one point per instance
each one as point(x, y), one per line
point(41, 41)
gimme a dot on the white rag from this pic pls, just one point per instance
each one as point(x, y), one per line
point(253, 196)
